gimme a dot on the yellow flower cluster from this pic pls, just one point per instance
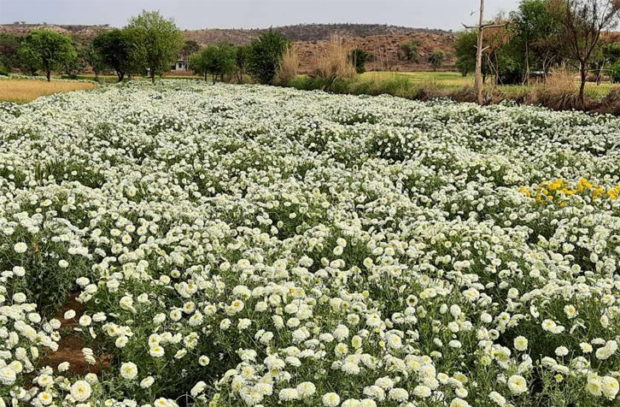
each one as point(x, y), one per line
point(555, 191)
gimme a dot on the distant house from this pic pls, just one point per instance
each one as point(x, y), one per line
point(180, 66)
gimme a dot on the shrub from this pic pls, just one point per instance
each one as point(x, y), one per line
point(265, 55)
point(436, 59)
point(614, 72)
point(358, 58)
point(408, 51)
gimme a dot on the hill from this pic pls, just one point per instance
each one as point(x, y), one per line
point(382, 41)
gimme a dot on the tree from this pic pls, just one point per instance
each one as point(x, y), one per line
point(436, 59)
point(156, 42)
point(265, 55)
point(217, 60)
point(9, 44)
point(114, 47)
point(408, 51)
point(242, 53)
point(189, 48)
point(46, 50)
point(359, 57)
point(534, 36)
point(465, 50)
point(582, 22)
point(95, 60)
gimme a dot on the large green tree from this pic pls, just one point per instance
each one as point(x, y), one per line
point(265, 55)
point(46, 50)
point(156, 42)
point(114, 47)
point(217, 60)
point(465, 50)
point(9, 44)
point(535, 36)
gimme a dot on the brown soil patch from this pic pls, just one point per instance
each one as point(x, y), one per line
point(71, 344)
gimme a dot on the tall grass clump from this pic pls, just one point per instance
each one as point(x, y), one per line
point(334, 62)
point(289, 65)
point(559, 91)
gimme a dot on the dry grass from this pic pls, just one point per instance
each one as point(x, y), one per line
point(25, 90)
point(289, 65)
point(334, 62)
point(558, 92)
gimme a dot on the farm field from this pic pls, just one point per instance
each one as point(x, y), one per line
point(244, 245)
point(26, 90)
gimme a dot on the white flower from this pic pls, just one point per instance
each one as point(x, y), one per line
point(520, 343)
point(306, 389)
point(330, 399)
point(81, 390)
point(129, 370)
point(517, 384)
point(399, 394)
point(609, 386)
point(20, 247)
point(7, 376)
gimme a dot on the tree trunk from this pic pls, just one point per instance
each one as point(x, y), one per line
point(48, 75)
point(120, 76)
point(205, 76)
point(152, 73)
point(582, 85)
point(526, 80)
point(478, 83)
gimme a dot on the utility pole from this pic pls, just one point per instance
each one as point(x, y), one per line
point(480, 49)
point(478, 83)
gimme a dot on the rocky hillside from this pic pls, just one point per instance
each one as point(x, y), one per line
point(381, 41)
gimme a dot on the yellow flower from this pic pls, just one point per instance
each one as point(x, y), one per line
point(583, 184)
point(567, 191)
point(525, 191)
point(613, 194)
point(557, 184)
point(598, 192)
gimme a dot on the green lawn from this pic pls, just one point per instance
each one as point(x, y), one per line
point(451, 81)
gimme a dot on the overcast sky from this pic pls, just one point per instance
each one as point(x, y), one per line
point(193, 14)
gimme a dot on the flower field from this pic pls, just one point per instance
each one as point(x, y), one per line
point(249, 245)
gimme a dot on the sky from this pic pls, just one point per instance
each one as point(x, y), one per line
point(195, 14)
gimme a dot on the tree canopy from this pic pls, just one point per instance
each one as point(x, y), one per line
point(155, 42)
point(46, 50)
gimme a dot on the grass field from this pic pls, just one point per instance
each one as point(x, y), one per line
point(451, 81)
point(26, 90)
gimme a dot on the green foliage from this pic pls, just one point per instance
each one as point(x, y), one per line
point(217, 60)
point(614, 72)
point(535, 32)
point(46, 50)
point(95, 59)
point(408, 51)
point(9, 45)
point(465, 49)
point(265, 55)
point(359, 57)
point(190, 47)
point(611, 52)
point(114, 48)
point(436, 59)
point(156, 42)
point(242, 54)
